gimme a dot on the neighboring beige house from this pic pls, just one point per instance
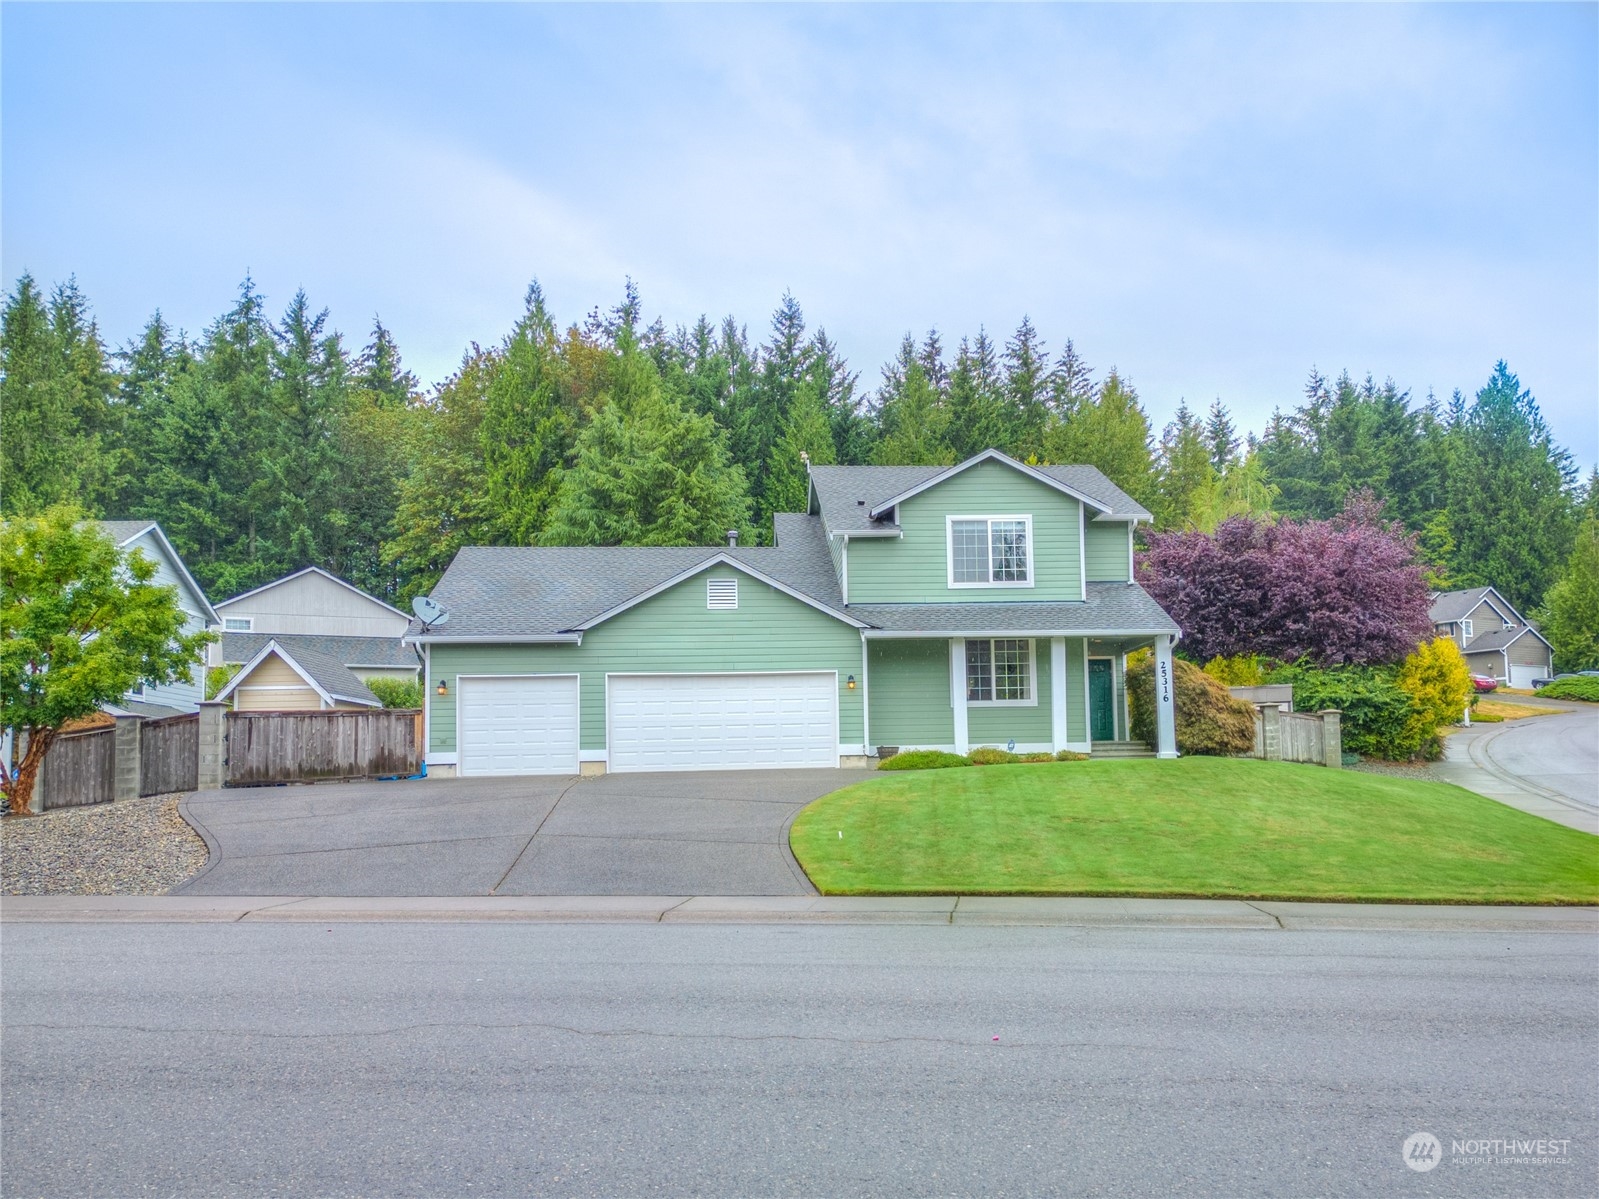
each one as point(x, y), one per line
point(1495, 638)
point(310, 640)
point(296, 678)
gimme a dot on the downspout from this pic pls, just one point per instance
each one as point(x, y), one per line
point(843, 582)
point(866, 702)
point(1082, 560)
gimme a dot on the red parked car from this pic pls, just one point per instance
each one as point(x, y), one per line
point(1483, 682)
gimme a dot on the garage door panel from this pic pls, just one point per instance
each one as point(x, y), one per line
point(1522, 676)
point(518, 725)
point(736, 721)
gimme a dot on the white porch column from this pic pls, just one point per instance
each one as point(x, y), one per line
point(1057, 692)
point(1165, 701)
point(957, 691)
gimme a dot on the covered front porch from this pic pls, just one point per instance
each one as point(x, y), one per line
point(1027, 692)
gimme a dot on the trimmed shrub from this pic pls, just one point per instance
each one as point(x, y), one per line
point(1209, 721)
point(1376, 710)
point(396, 693)
point(1070, 755)
point(922, 759)
point(218, 677)
point(1439, 685)
point(1584, 688)
point(1039, 757)
point(987, 755)
point(1240, 670)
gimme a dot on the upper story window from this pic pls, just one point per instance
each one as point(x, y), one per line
point(990, 551)
point(237, 624)
point(1465, 630)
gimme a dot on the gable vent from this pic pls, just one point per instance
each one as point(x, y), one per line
point(721, 593)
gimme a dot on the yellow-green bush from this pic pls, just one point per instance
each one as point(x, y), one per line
point(1438, 683)
point(1241, 670)
point(987, 755)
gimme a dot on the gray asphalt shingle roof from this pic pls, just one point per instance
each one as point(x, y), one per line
point(125, 530)
point(1451, 606)
point(352, 651)
point(847, 494)
point(1110, 608)
point(1498, 639)
point(332, 675)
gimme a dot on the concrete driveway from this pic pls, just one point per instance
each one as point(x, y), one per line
point(700, 833)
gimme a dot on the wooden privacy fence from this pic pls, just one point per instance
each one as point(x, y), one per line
point(296, 747)
point(169, 754)
point(215, 748)
point(1299, 736)
point(79, 770)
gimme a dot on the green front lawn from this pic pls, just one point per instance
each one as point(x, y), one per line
point(1195, 827)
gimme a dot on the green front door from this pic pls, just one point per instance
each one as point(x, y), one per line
point(1101, 700)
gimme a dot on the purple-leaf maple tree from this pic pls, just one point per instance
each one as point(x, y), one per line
point(1340, 591)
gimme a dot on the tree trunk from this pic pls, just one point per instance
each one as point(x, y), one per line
point(21, 797)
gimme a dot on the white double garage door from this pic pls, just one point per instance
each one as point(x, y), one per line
point(529, 724)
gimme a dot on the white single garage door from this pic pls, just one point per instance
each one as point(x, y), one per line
point(517, 724)
point(1522, 676)
point(723, 721)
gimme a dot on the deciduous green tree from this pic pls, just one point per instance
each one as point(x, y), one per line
point(81, 623)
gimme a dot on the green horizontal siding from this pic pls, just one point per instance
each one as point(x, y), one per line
point(915, 568)
point(1106, 551)
point(673, 632)
point(910, 699)
point(996, 726)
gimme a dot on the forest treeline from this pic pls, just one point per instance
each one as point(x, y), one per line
point(265, 444)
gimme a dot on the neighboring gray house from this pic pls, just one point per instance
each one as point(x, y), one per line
point(310, 640)
point(184, 696)
point(1495, 638)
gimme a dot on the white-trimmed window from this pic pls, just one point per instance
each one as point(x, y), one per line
point(1001, 671)
point(1465, 630)
point(238, 624)
point(721, 595)
point(990, 551)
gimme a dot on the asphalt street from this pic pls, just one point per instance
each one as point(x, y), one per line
point(398, 1059)
point(1558, 753)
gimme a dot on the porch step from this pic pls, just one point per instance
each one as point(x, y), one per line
point(1122, 749)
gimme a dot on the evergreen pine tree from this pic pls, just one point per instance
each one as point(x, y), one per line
point(978, 415)
point(915, 422)
point(1511, 509)
point(1187, 479)
point(806, 432)
point(1108, 430)
point(1223, 437)
point(1027, 391)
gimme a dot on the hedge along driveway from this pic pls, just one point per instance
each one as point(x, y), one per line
point(1192, 827)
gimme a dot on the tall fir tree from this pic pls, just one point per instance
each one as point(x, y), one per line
point(528, 424)
point(807, 438)
point(979, 418)
point(1511, 498)
point(1028, 383)
point(915, 422)
point(1222, 435)
point(1187, 479)
point(1111, 431)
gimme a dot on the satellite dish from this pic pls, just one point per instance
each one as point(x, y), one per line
point(428, 611)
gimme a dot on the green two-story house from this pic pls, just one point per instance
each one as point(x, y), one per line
point(987, 603)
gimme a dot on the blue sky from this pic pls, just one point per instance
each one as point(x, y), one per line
point(1212, 199)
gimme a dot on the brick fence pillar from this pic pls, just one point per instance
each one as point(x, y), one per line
point(126, 770)
point(1332, 738)
point(213, 772)
point(1271, 733)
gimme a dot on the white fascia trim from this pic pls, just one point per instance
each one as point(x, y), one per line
point(943, 634)
point(987, 456)
point(722, 559)
point(272, 647)
point(895, 532)
point(306, 570)
point(507, 639)
point(183, 570)
point(411, 666)
point(356, 699)
point(1114, 517)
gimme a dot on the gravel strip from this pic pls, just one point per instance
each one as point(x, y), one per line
point(135, 847)
point(1420, 771)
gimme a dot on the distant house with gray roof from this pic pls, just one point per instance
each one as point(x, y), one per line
point(987, 603)
point(169, 699)
point(310, 640)
point(1497, 641)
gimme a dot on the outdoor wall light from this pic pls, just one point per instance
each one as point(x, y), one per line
point(851, 683)
point(443, 689)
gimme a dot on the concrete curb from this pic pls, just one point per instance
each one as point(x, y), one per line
point(213, 848)
point(1061, 912)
